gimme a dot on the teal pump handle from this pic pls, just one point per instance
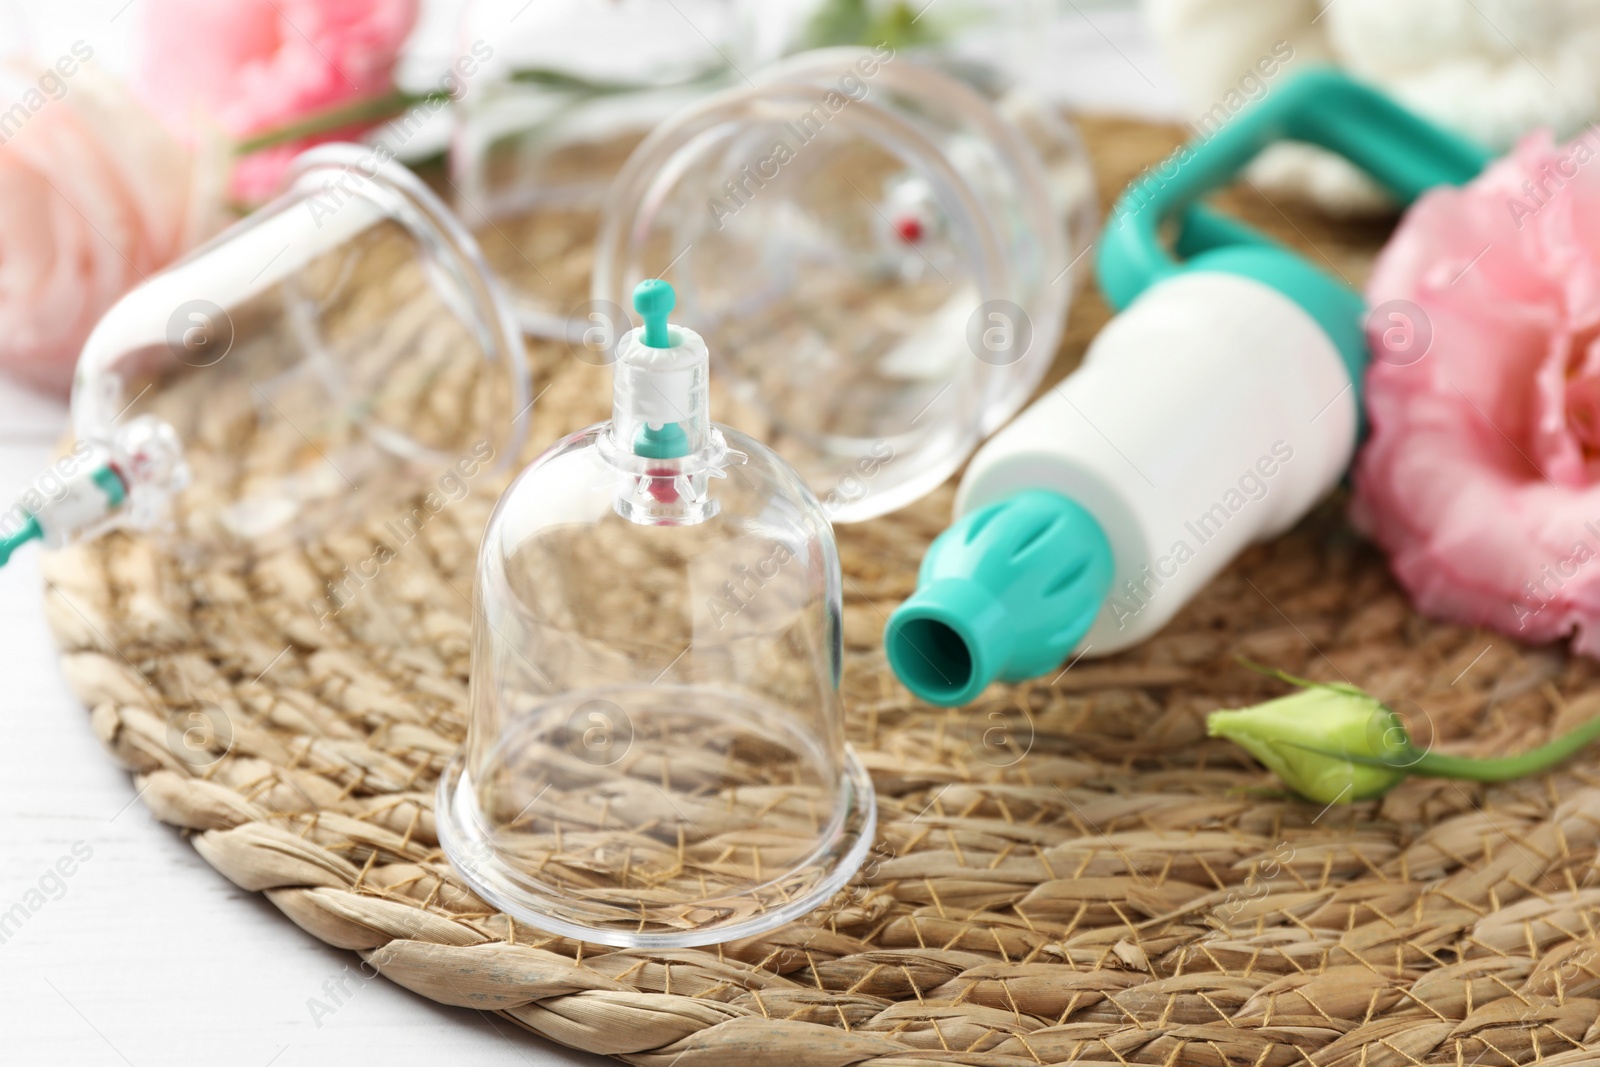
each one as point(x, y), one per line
point(1403, 152)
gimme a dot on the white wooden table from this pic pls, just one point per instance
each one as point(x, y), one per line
point(143, 954)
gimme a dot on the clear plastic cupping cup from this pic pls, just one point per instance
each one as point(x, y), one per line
point(338, 350)
point(656, 754)
point(880, 253)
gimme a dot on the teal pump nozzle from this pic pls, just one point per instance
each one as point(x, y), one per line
point(1005, 593)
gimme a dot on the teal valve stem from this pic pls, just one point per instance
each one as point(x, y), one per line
point(1007, 593)
point(654, 300)
point(669, 442)
point(30, 532)
point(106, 481)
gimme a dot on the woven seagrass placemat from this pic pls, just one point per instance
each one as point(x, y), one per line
point(1125, 892)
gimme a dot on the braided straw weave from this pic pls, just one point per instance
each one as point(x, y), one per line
point(1111, 888)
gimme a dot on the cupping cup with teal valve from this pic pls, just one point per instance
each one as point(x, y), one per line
point(324, 360)
point(1211, 413)
point(655, 755)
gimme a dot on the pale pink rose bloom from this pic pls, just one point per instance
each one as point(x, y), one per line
point(1482, 474)
point(94, 195)
point(249, 66)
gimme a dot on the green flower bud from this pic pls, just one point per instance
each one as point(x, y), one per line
point(1329, 743)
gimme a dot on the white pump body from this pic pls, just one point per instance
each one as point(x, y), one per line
point(1209, 415)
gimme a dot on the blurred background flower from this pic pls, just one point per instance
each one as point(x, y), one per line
point(94, 195)
point(250, 67)
point(1490, 69)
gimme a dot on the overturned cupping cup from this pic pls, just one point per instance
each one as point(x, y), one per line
point(879, 257)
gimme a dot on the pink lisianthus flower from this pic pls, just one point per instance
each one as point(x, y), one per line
point(94, 195)
point(247, 67)
point(1481, 478)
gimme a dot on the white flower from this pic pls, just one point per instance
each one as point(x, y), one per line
point(1489, 69)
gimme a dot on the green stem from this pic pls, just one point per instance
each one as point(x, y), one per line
point(1273, 672)
point(1504, 769)
point(555, 79)
point(1295, 680)
point(357, 113)
point(375, 108)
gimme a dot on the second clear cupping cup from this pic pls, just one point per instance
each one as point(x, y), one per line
point(877, 252)
point(331, 357)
